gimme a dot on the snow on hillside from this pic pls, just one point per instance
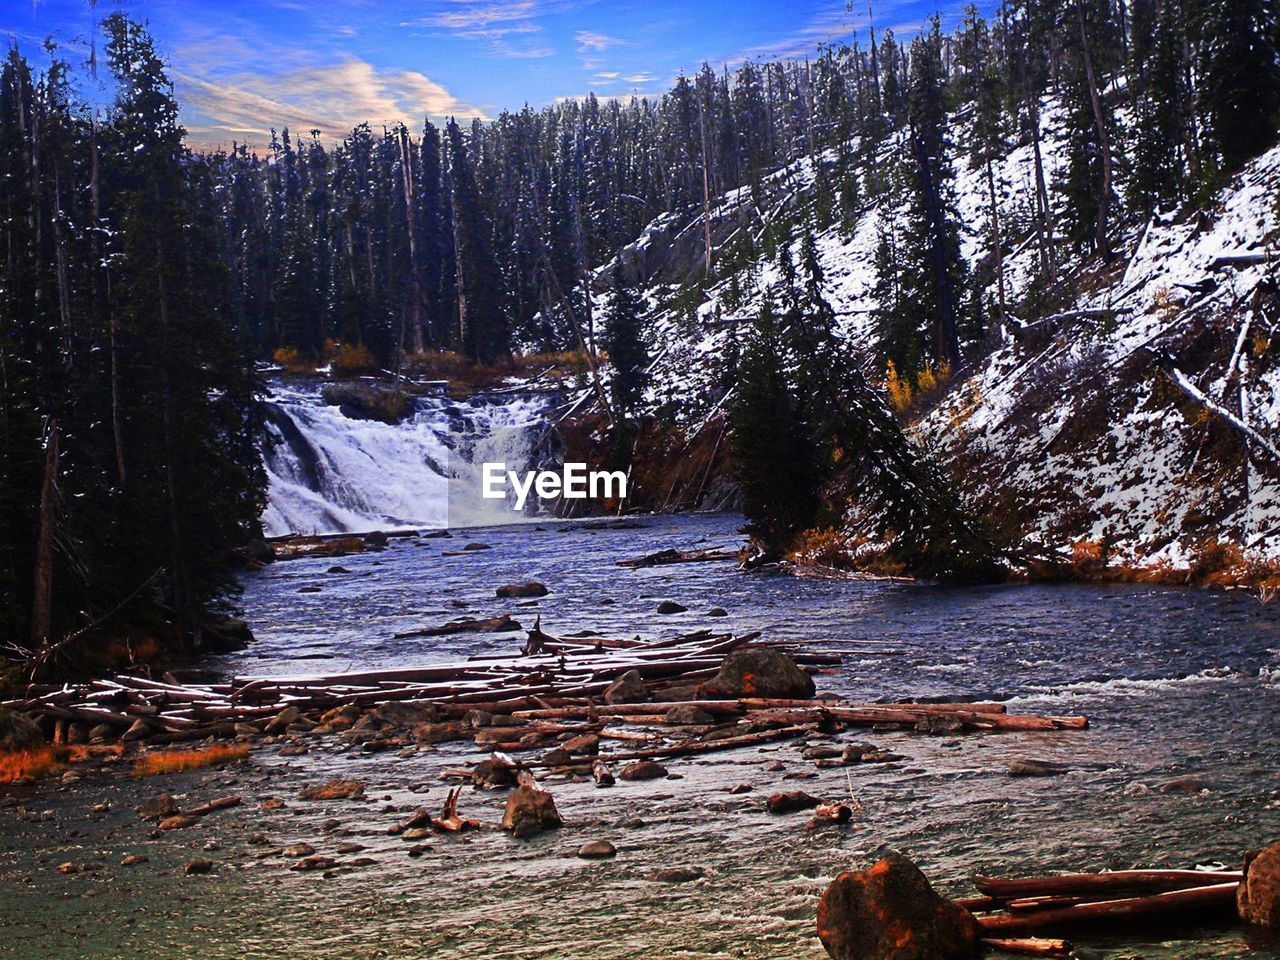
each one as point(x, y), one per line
point(1072, 424)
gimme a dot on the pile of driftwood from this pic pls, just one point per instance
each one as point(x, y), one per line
point(557, 689)
point(1015, 912)
point(871, 913)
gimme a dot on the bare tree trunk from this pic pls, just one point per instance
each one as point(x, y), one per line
point(458, 278)
point(1048, 253)
point(415, 282)
point(996, 242)
point(706, 187)
point(42, 601)
point(177, 559)
point(1104, 143)
point(103, 297)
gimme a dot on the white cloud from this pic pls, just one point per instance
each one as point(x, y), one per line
point(332, 99)
point(588, 40)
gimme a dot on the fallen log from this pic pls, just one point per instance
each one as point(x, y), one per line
point(1114, 882)
point(664, 557)
point(1178, 904)
point(688, 748)
point(222, 803)
point(502, 624)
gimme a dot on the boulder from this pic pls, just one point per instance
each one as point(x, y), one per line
point(670, 606)
point(597, 850)
point(642, 770)
point(493, 774)
point(688, 714)
point(530, 810)
point(1036, 768)
point(197, 867)
point(890, 912)
point(628, 688)
point(586, 743)
point(1258, 897)
point(222, 634)
point(334, 790)
point(717, 612)
point(531, 588)
point(759, 672)
point(19, 732)
point(159, 807)
point(280, 722)
point(791, 801)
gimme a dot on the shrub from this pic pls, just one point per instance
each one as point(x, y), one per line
point(175, 761)
point(292, 360)
point(353, 359)
point(23, 764)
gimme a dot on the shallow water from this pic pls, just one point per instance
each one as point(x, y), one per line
point(1177, 683)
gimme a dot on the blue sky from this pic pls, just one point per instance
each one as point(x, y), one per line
point(244, 66)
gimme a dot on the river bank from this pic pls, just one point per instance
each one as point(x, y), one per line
point(1180, 687)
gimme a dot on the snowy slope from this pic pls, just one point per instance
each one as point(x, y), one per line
point(1072, 427)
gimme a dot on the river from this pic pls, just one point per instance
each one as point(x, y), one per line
point(1177, 683)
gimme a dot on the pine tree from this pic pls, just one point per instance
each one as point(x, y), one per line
point(1161, 168)
point(774, 458)
point(625, 345)
point(482, 334)
point(1239, 72)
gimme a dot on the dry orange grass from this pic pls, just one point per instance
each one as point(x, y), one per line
point(24, 764)
point(175, 761)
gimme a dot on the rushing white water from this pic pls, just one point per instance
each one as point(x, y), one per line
point(331, 473)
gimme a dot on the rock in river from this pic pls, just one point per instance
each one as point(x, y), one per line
point(1258, 898)
point(530, 810)
point(642, 770)
point(759, 672)
point(890, 912)
point(791, 801)
point(531, 588)
point(334, 790)
point(597, 850)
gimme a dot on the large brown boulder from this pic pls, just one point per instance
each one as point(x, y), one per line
point(759, 672)
point(890, 912)
point(1258, 897)
point(628, 688)
point(530, 810)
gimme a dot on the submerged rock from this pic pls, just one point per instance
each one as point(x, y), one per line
point(890, 912)
point(531, 588)
point(678, 874)
point(759, 672)
point(791, 801)
point(1036, 768)
point(334, 790)
point(670, 606)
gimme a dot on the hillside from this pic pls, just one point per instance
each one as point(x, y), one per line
point(1071, 427)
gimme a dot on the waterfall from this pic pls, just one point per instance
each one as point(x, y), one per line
point(332, 473)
